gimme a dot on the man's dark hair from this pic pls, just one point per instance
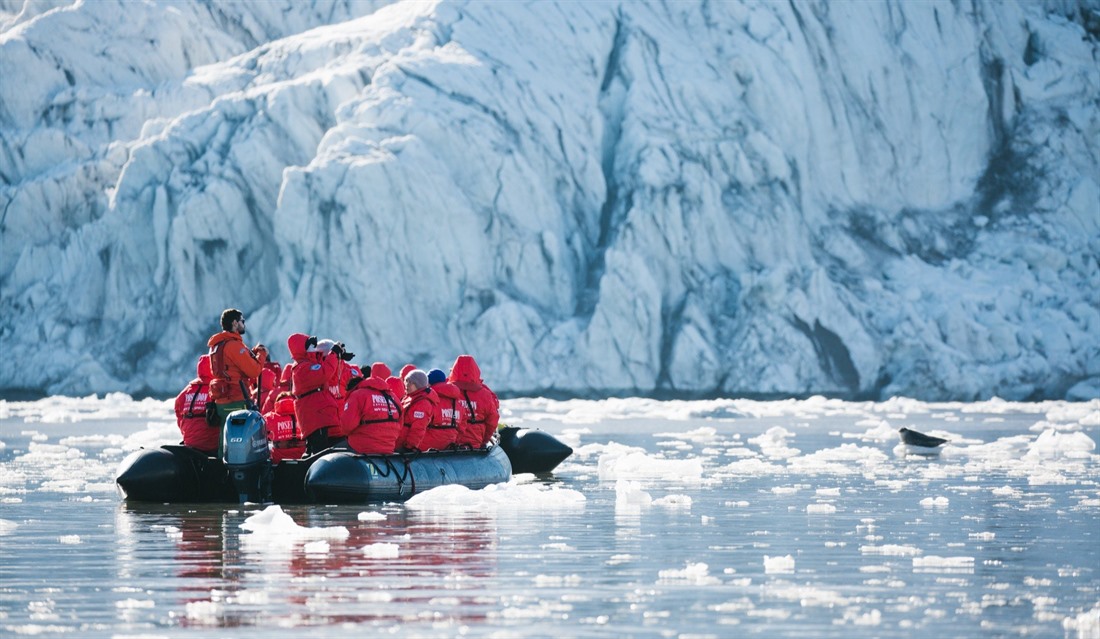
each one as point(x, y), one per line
point(229, 316)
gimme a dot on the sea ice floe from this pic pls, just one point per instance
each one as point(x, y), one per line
point(935, 561)
point(697, 574)
point(7, 527)
point(784, 564)
point(773, 443)
point(382, 551)
point(935, 502)
point(274, 528)
point(896, 550)
point(674, 502)
point(1053, 444)
point(371, 516)
point(510, 496)
point(629, 494)
point(820, 509)
point(639, 465)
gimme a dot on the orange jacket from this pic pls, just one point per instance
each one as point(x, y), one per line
point(238, 363)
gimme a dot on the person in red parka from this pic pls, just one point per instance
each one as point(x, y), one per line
point(282, 430)
point(191, 411)
point(372, 415)
point(482, 403)
point(315, 407)
point(268, 390)
point(397, 387)
point(417, 410)
point(450, 414)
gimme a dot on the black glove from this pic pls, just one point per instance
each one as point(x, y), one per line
point(347, 357)
point(339, 350)
point(352, 383)
point(312, 341)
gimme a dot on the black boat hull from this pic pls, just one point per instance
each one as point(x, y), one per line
point(178, 474)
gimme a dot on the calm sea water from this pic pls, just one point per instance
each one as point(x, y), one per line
point(673, 519)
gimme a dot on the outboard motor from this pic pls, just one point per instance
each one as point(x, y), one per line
point(247, 456)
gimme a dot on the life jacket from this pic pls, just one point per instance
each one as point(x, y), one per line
point(220, 382)
point(191, 411)
point(448, 420)
point(371, 418)
point(286, 438)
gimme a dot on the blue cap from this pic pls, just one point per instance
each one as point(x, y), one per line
point(435, 376)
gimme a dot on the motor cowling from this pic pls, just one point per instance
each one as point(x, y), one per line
point(247, 456)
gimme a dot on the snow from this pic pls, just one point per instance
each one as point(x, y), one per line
point(593, 198)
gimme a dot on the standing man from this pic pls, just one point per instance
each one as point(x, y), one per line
point(233, 366)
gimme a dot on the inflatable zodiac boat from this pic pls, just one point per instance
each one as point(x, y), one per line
point(246, 473)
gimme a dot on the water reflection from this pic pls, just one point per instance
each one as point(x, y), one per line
point(405, 566)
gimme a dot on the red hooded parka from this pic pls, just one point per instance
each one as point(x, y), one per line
point(191, 411)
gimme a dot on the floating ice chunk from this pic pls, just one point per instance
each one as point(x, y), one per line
point(371, 516)
point(1052, 444)
point(511, 496)
point(630, 494)
point(773, 443)
point(639, 465)
point(558, 580)
point(935, 561)
point(752, 467)
point(273, 527)
point(319, 547)
point(702, 434)
point(131, 604)
point(1007, 491)
point(828, 492)
point(879, 430)
point(696, 574)
point(674, 501)
point(847, 459)
point(935, 502)
point(7, 527)
point(820, 509)
point(784, 564)
point(206, 613)
point(381, 551)
point(1087, 623)
point(893, 550)
point(983, 536)
point(70, 540)
point(1042, 426)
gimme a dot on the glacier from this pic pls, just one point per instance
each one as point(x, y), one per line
point(601, 198)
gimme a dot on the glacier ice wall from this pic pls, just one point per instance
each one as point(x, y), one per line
point(696, 198)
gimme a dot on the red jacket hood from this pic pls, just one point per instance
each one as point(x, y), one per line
point(203, 369)
point(380, 370)
point(297, 345)
point(223, 336)
point(465, 373)
point(285, 406)
point(373, 383)
point(447, 389)
point(406, 369)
